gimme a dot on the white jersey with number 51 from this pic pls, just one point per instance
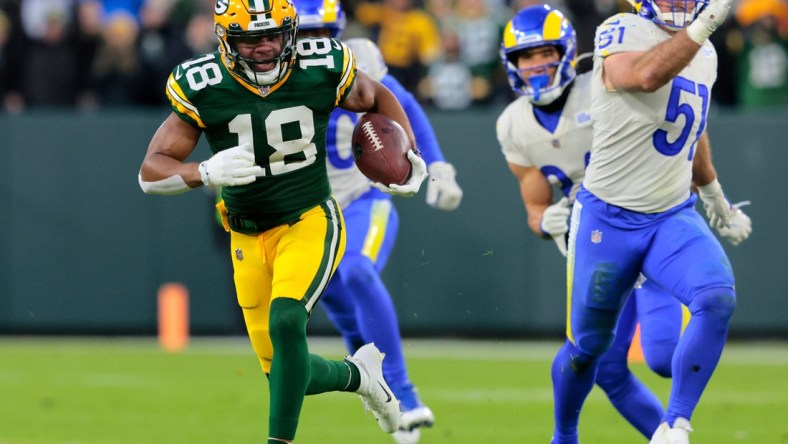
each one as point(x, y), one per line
point(643, 143)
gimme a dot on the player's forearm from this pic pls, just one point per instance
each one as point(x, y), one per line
point(388, 105)
point(534, 219)
point(534, 211)
point(535, 224)
point(172, 143)
point(369, 95)
point(652, 69)
point(160, 164)
point(535, 193)
point(703, 171)
point(157, 167)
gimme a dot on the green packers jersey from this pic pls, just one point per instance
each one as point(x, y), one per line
point(285, 123)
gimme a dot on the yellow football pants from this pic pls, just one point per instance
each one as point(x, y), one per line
point(288, 261)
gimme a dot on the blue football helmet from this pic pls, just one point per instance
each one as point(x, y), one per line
point(533, 27)
point(321, 14)
point(681, 13)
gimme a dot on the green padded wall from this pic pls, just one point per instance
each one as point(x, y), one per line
point(83, 250)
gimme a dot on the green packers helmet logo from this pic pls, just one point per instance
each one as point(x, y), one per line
point(221, 6)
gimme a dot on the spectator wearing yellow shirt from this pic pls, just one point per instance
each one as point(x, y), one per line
point(408, 38)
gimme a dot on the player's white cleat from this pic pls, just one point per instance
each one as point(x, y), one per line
point(410, 422)
point(660, 436)
point(678, 434)
point(407, 437)
point(373, 390)
point(419, 417)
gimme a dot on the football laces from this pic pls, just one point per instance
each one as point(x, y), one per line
point(369, 131)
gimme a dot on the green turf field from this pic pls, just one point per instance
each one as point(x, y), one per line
point(113, 391)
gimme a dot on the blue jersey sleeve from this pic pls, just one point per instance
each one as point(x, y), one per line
point(422, 129)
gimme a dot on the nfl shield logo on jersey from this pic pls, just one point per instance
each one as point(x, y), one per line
point(596, 236)
point(239, 254)
point(264, 90)
point(583, 118)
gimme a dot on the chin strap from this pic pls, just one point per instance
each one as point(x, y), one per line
point(262, 78)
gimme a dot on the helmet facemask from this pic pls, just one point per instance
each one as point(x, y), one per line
point(677, 17)
point(535, 82)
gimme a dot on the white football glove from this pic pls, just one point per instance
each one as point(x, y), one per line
point(718, 209)
point(555, 222)
point(417, 175)
point(443, 192)
point(740, 225)
point(231, 167)
point(712, 16)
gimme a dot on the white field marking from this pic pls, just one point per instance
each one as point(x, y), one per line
point(744, 353)
point(720, 396)
point(459, 349)
point(516, 396)
point(545, 395)
point(96, 379)
point(504, 394)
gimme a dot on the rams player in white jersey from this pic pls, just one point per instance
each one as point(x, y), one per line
point(545, 136)
point(653, 73)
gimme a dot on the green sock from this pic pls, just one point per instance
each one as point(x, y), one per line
point(290, 368)
point(332, 376)
point(295, 372)
point(355, 377)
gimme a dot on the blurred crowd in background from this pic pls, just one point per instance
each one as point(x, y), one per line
point(95, 54)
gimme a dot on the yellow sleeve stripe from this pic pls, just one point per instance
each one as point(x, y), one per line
point(348, 73)
point(179, 101)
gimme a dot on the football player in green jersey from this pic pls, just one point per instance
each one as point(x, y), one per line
point(263, 102)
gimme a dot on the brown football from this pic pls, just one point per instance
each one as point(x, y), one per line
point(380, 148)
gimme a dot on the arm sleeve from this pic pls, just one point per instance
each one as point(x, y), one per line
point(426, 139)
